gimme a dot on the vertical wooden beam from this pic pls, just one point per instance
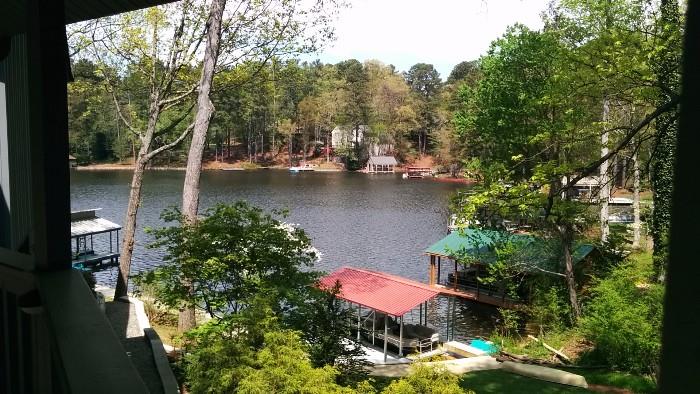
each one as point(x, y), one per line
point(374, 323)
point(359, 316)
point(386, 329)
point(431, 278)
point(439, 261)
point(455, 275)
point(47, 93)
point(401, 338)
point(477, 280)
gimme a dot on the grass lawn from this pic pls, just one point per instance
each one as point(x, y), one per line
point(496, 381)
point(634, 383)
point(165, 332)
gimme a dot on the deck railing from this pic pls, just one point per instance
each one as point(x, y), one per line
point(55, 339)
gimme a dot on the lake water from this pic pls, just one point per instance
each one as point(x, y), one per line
point(379, 222)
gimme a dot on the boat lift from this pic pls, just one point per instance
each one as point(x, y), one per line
point(84, 227)
point(386, 298)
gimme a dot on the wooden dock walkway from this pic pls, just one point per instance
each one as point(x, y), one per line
point(478, 297)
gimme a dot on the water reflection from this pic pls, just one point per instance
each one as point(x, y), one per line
point(378, 222)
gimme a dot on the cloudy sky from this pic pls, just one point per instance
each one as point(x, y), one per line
point(440, 32)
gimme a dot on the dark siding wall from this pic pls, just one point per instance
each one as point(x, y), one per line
point(13, 72)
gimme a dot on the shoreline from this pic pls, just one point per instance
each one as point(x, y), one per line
point(130, 167)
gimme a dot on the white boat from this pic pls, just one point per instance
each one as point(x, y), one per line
point(300, 168)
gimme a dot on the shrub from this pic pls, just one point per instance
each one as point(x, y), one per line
point(623, 319)
point(426, 380)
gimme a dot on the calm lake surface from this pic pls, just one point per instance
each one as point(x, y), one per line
point(379, 222)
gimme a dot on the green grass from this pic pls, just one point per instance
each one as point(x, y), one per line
point(495, 381)
point(634, 383)
point(249, 166)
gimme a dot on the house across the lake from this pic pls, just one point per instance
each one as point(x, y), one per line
point(381, 164)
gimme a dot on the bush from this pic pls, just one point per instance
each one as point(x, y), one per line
point(426, 380)
point(623, 319)
point(549, 309)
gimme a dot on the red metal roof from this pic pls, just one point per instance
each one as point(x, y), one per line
point(386, 293)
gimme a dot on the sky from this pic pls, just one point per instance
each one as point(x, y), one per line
point(440, 32)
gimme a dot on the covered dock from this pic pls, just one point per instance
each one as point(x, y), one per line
point(384, 295)
point(84, 227)
point(464, 282)
point(381, 164)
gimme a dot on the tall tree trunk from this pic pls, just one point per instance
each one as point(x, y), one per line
point(636, 226)
point(132, 210)
point(604, 194)
point(567, 237)
point(666, 66)
point(205, 109)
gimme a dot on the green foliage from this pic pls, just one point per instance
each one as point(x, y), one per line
point(666, 61)
point(221, 350)
point(218, 367)
point(426, 380)
point(282, 366)
point(326, 325)
point(232, 253)
point(623, 319)
point(508, 322)
point(634, 383)
point(548, 308)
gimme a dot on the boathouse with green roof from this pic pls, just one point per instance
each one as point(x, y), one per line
point(468, 252)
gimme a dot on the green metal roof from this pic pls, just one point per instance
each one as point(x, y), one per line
point(477, 241)
point(469, 240)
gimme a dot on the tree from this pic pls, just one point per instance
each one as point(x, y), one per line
point(666, 66)
point(426, 380)
point(282, 366)
point(228, 256)
point(425, 83)
point(463, 71)
point(356, 111)
point(521, 130)
point(326, 326)
point(135, 43)
point(623, 319)
point(205, 109)
point(394, 108)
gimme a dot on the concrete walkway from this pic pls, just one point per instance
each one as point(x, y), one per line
point(457, 367)
point(124, 320)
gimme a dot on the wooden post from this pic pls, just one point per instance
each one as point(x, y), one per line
point(420, 315)
point(359, 316)
point(477, 280)
point(438, 266)
point(431, 279)
point(374, 322)
point(386, 326)
point(455, 275)
point(401, 338)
